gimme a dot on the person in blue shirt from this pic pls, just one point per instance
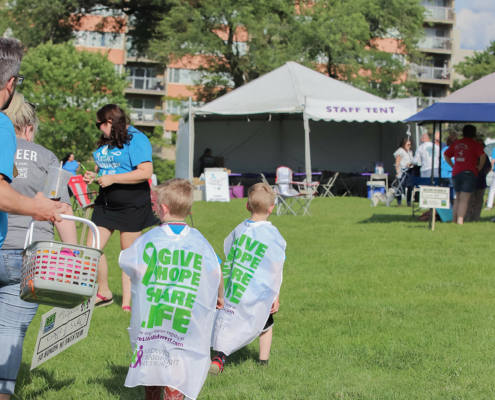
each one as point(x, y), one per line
point(124, 166)
point(14, 318)
point(70, 164)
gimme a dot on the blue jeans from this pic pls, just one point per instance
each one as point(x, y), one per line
point(15, 317)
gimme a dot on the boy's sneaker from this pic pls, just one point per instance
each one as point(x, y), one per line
point(217, 365)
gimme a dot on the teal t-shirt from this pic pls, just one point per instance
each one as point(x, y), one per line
point(113, 161)
point(7, 153)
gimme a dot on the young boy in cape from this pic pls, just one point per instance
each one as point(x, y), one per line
point(176, 286)
point(255, 253)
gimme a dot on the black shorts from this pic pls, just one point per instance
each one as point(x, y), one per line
point(125, 208)
point(269, 323)
point(464, 181)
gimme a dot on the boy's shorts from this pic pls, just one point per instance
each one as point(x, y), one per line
point(269, 323)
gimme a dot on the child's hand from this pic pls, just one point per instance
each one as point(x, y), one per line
point(275, 307)
point(220, 303)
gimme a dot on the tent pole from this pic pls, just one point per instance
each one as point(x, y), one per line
point(417, 136)
point(432, 211)
point(191, 142)
point(440, 154)
point(307, 150)
point(433, 156)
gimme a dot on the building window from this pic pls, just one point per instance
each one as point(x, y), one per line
point(96, 39)
point(185, 76)
point(144, 78)
point(181, 106)
point(437, 32)
point(145, 110)
point(103, 11)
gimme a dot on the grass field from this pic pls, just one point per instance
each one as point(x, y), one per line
point(373, 306)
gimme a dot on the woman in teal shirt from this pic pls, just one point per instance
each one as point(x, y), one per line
point(124, 165)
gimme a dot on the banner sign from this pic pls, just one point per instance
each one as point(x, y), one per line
point(217, 184)
point(379, 111)
point(434, 197)
point(61, 328)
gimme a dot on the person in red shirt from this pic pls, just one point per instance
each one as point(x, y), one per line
point(466, 151)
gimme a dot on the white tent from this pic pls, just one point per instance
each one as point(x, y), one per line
point(265, 124)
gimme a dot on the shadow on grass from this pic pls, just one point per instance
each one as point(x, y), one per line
point(386, 219)
point(25, 378)
point(115, 383)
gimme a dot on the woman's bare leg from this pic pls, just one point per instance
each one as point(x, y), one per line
point(456, 206)
point(102, 279)
point(462, 206)
point(126, 241)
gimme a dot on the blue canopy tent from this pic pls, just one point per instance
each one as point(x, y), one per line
point(473, 103)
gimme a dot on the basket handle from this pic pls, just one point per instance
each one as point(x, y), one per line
point(92, 226)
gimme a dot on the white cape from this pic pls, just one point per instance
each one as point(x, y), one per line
point(255, 253)
point(175, 281)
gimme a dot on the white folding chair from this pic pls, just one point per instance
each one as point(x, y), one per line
point(377, 180)
point(328, 186)
point(290, 200)
point(264, 180)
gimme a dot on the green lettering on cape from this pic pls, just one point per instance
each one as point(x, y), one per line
point(150, 261)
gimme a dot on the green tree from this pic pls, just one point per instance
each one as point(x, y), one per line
point(36, 22)
point(482, 63)
point(346, 37)
point(68, 86)
point(163, 169)
point(238, 40)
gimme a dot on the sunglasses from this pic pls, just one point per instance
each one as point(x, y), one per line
point(19, 79)
point(32, 105)
point(98, 124)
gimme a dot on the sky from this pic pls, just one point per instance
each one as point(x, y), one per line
point(476, 20)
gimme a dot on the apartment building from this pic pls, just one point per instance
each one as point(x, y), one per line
point(434, 70)
point(147, 81)
point(150, 85)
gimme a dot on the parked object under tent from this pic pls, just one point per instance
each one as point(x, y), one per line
point(294, 116)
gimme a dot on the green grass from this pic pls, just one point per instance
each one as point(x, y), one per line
point(373, 306)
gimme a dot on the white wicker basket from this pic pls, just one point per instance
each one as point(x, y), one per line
point(59, 274)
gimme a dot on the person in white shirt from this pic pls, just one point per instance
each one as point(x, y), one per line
point(424, 155)
point(403, 161)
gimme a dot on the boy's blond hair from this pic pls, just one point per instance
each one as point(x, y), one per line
point(177, 194)
point(260, 198)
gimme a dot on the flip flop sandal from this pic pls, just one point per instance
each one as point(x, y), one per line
point(104, 301)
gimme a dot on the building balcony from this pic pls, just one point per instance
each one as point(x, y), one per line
point(436, 44)
point(144, 85)
point(444, 14)
point(431, 74)
point(424, 102)
point(147, 117)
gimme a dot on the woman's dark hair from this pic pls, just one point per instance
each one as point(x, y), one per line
point(469, 131)
point(66, 158)
point(120, 120)
point(403, 142)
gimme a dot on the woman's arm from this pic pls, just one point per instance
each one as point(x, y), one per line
point(448, 160)
point(141, 174)
point(397, 164)
point(67, 229)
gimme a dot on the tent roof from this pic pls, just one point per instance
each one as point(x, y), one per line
point(283, 90)
point(472, 103)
